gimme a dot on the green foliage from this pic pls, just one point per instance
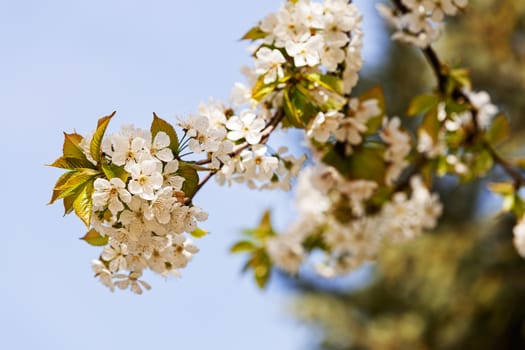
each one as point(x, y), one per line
point(198, 233)
point(96, 141)
point(191, 178)
point(254, 33)
point(94, 238)
point(498, 131)
point(422, 104)
point(158, 125)
point(458, 290)
point(258, 260)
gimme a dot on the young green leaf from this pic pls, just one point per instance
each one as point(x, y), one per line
point(243, 246)
point(94, 238)
point(422, 104)
point(499, 130)
point(96, 141)
point(198, 233)
point(61, 181)
point(71, 147)
point(503, 188)
point(261, 90)
point(111, 171)
point(191, 178)
point(253, 34)
point(327, 81)
point(83, 204)
point(158, 125)
point(72, 163)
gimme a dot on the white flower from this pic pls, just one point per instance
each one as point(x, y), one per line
point(170, 177)
point(145, 179)
point(103, 274)
point(305, 53)
point(247, 126)
point(269, 62)
point(159, 147)
point(112, 193)
point(257, 165)
point(323, 125)
point(286, 251)
point(161, 204)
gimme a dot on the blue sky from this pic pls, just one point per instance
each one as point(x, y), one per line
point(64, 64)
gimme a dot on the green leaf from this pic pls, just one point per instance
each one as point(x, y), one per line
point(71, 147)
point(254, 33)
point(461, 78)
point(368, 163)
point(198, 233)
point(75, 181)
point(94, 238)
point(243, 246)
point(111, 171)
point(61, 181)
point(327, 81)
point(422, 104)
point(503, 188)
point(261, 265)
point(158, 125)
point(431, 125)
point(483, 162)
point(315, 241)
point(191, 178)
point(261, 90)
point(292, 117)
point(499, 130)
point(96, 141)
point(72, 163)
point(83, 204)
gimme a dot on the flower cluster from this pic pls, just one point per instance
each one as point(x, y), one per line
point(143, 212)
point(420, 22)
point(347, 129)
point(332, 208)
point(454, 125)
point(311, 34)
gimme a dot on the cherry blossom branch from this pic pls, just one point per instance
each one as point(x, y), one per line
point(441, 77)
point(266, 132)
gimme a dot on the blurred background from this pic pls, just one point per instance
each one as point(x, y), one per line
point(64, 64)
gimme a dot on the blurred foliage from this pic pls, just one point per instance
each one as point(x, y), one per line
point(456, 290)
point(463, 289)
point(489, 38)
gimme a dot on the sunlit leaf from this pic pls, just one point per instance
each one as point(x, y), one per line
point(72, 163)
point(243, 246)
point(422, 104)
point(431, 125)
point(292, 117)
point(191, 178)
point(503, 188)
point(261, 90)
point(71, 147)
point(83, 204)
point(498, 130)
point(96, 141)
point(94, 238)
point(198, 233)
point(111, 171)
point(254, 33)
point(61, 181)
point(158, 125)
point(327, 81)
